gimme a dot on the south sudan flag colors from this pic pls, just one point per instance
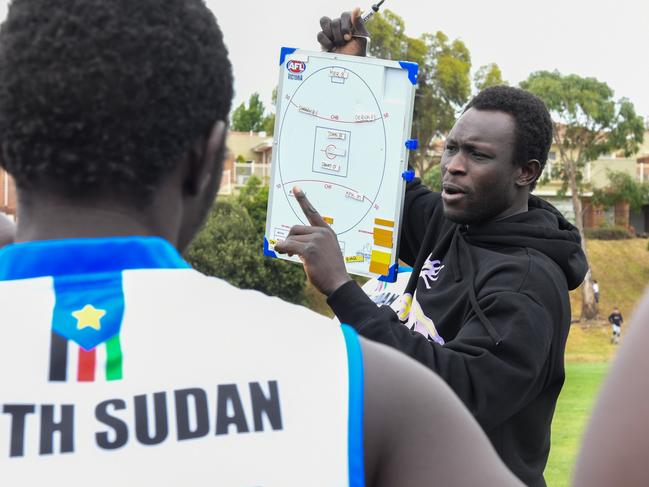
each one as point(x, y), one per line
point(86, 324)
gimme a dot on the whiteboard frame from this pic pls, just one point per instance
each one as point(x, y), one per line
point(406, 144)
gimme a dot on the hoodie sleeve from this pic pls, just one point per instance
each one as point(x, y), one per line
point(493, 380)
point(420, 206)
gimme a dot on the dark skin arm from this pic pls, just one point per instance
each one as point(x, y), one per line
point(417, 432)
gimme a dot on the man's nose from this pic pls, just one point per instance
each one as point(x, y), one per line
point(455, 163)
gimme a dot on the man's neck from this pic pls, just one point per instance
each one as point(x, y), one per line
point(54, 220)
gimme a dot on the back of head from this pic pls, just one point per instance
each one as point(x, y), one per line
point(102, 97)
point(531, 116)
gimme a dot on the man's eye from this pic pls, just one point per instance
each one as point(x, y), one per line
point(450, 148)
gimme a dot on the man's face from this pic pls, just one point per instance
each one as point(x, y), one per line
point(478, 175)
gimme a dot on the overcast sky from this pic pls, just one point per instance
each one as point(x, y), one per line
point(607, 39)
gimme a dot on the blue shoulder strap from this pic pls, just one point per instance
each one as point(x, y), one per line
point(356, 464)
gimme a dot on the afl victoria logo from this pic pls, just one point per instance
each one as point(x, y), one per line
point(296, 67)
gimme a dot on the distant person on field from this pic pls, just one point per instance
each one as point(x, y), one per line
point(616, 320)
point(596, 290)
point(615, 447)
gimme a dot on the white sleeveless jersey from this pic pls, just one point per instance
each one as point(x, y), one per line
point(121, 366)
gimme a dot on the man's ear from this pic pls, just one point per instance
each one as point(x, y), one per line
point(529, 173)
point(205, 160)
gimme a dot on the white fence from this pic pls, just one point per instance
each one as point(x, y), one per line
point(226, 182)
point(239, 175)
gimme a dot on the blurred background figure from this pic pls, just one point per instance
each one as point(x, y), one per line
point(616, 320)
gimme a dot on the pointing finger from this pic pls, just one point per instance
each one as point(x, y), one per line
point(309, 211)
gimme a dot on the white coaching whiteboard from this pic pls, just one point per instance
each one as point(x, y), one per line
point(342, 134)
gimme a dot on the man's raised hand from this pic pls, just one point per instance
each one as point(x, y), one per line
point(346, 34)
point(318, 248)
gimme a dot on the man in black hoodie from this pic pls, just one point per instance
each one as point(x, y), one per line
point(492, 267)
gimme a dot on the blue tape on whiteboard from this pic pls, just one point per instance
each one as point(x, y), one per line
point(392, 274)
point(412, 144)
point(286, 51)
point(408, 175)
point(413, 70)
point(267, 251)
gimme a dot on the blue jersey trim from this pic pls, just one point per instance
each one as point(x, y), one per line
point(91, 255)
point(356, 465)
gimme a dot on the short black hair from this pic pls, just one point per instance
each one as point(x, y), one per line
point(107, 95)
point(532, 120)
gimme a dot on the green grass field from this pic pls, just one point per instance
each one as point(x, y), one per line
point(575, 403)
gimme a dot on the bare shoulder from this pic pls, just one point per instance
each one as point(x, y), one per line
point(418, 431)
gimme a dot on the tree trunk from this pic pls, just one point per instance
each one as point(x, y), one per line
point(588, 304)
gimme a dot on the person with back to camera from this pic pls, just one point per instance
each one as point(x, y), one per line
point(120, 365)
point(492, 267)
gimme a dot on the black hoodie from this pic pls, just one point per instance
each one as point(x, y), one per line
point(498, 298)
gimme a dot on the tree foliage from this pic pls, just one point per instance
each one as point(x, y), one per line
point(588, 122)
point(433, 178)
point(487, 76)
point(622, 187)
point(444, 82)
point(269, 121)
point(251, 117)
point(230, 246)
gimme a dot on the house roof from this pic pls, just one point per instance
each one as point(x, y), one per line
point(265, 146)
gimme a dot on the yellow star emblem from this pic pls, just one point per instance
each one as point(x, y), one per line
point(89, 316)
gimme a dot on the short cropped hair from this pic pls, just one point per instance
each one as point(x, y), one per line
point(532, 121)
point(107, 95)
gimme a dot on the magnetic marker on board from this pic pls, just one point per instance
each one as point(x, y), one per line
point(367, 15)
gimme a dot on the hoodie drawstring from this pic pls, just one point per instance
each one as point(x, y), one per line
point(459, 239)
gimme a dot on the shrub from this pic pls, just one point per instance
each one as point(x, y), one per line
point(607, 233)
point(433, 178)
point(230, 246)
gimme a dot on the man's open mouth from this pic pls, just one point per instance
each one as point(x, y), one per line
point(451, 189)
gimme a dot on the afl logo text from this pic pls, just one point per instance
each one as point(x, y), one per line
point(296, 67)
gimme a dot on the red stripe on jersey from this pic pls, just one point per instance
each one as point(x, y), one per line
point(86, 371)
